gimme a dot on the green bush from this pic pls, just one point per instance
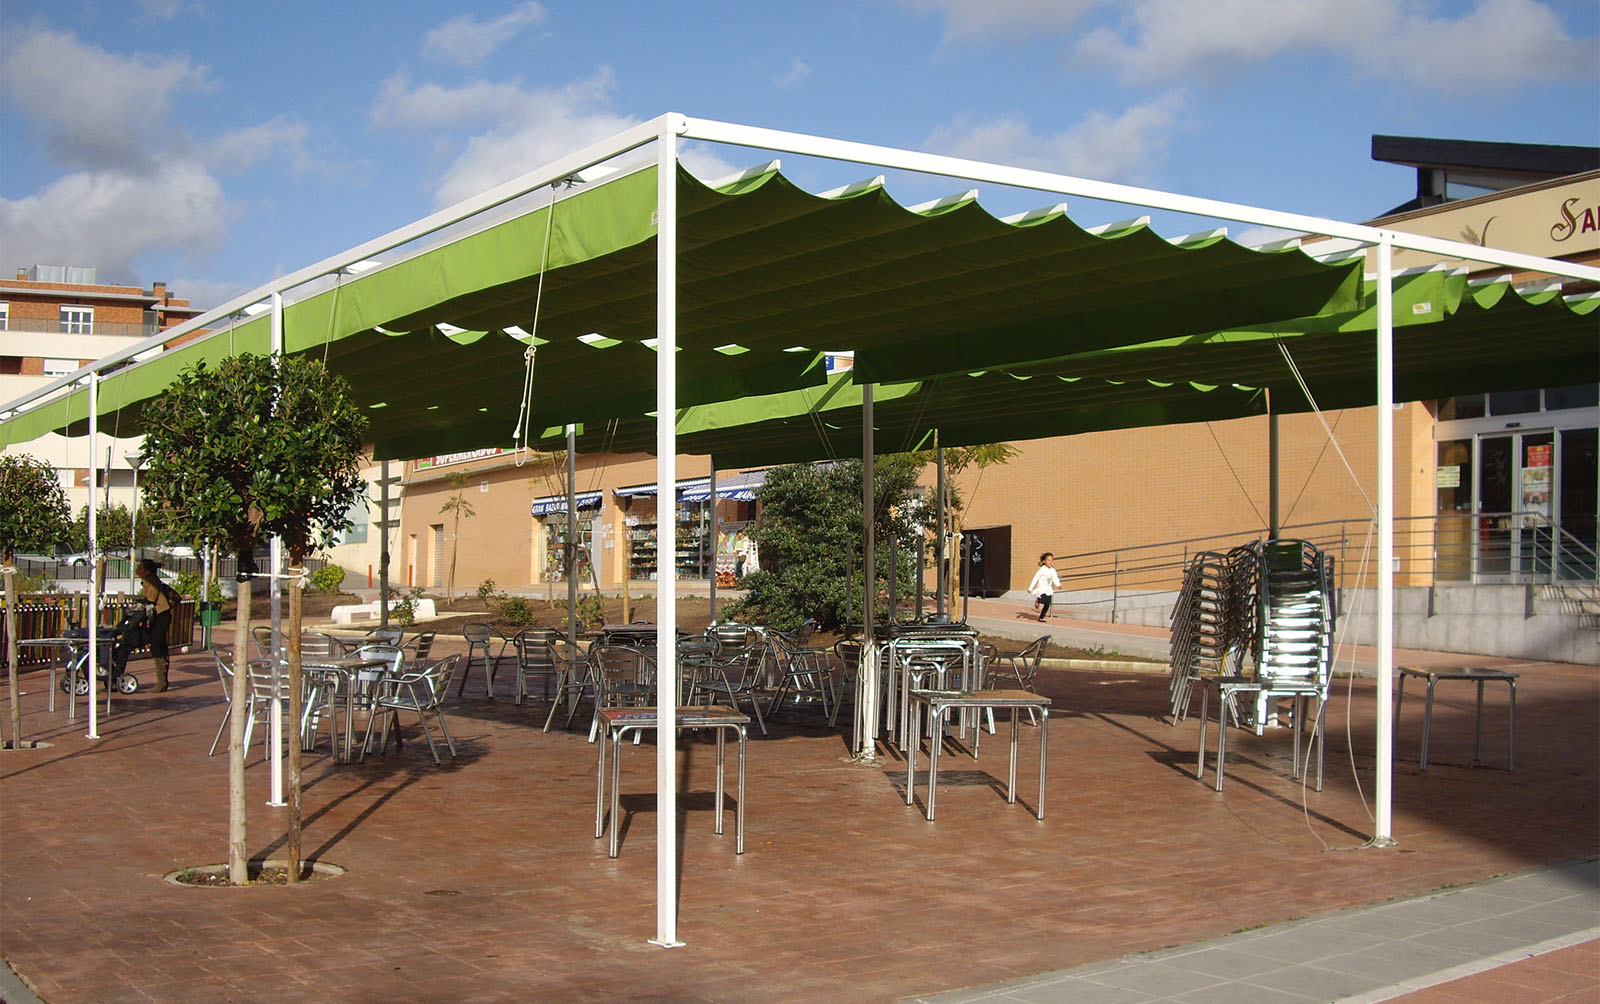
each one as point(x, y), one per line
point(591, 611)
point(328, 578)
point(513, 610)
point(486, 590)
point(188, 584)
point(404, 612)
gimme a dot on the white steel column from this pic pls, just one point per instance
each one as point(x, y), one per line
point(666, 533)
point(93, 616)
point(1384, 795)
point(275, 619)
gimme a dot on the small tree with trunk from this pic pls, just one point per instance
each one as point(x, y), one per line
point(459, 508)
point(255, 447)
point(34, 514)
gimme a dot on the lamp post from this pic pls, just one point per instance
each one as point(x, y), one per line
point(136, 461)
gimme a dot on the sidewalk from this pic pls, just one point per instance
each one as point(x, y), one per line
point(480, 879)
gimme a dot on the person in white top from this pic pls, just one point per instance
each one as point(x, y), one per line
point(1044, 585)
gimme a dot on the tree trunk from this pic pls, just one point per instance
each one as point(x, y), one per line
point(12, 651)
point(296, 618)
point(238, 860)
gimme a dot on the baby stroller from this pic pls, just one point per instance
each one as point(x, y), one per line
point(116, 645)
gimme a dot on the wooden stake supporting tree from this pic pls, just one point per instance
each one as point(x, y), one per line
point(257, 447)
point(33, 514)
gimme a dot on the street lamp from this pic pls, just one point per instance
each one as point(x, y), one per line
point(136, 461)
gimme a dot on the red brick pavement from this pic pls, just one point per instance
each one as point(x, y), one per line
point(480, 880)
point(1566, 976)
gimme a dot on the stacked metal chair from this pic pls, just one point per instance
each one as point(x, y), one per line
point(1201, 622)
point(1294, 641)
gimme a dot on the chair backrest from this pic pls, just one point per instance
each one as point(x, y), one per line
point(848, 652)
point(261, 635)
point(423, 645)
point(803, 633)
point(438, 674)
point(476, 633)
point(536, 647)
point(260, 673)
point(224, 657)
point(734, 641)
point(622, 675)
point(319, 645)
point(1034, 653)
point(386, 635)
point(393, 654)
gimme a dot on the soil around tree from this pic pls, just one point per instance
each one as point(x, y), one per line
point(258, 873)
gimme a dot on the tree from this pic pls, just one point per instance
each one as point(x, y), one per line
point(809, 528)
point(255, 447)
point(957, 461)
point(459, 508)
point(34, 514)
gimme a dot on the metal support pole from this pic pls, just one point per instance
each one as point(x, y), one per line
point(894, 578)
point(922, 568)
point(867, 673)
point(941, 573)
point(715, 547)
point(93, 615)
point(1273, 521)
point(383, 545)
point(572, 534)
point(667, 531)
point(1384, 794)
point(275, 611)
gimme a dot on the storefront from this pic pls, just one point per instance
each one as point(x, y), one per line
point(551, 511)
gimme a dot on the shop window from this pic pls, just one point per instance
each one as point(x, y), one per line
point(1513, 402)
point(1466, 406)
point(1584, 395)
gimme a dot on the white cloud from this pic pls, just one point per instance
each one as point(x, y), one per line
point(96, 109)
point(110, 218)
point(206, 293)
point(1497, 43)
point(241, 149)
point(161, 10)
point(1101, 146)
point(983, 19)
point(429, 106)
point(799, 71)
point(467, 41)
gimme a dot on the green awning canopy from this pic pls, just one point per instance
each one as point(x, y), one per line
point(769, 275)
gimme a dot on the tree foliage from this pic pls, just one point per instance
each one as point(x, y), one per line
point(809, 534)
point(113, 527)
point(255, 446)
point(34, 513)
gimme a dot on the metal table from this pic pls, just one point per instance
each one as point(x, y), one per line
point(1477, 674)
point(66, 645)
point(616, 723)
point(940, 703)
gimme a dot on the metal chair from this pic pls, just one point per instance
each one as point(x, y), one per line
point(266, 688)
point(478, 636)
point(1021, 666)
point(572, 676)
point(733, 671)
point(261, 636)
point(535, 657)
point(801, 673)
point(224, 659)
point(847, 655)
point(386, 636)
point(421, 692)
point(622, 677)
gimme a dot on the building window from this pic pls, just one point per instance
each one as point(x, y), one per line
point(5, 315)
point(77, 320)
point(59, 367)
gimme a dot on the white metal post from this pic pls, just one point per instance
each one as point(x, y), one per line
point(93, 616)
point(275, 726)
point(1384, 833)
point(666, 533)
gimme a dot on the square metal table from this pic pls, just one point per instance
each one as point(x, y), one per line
point(1477, 674)
point(940, 703)
point(616, 723)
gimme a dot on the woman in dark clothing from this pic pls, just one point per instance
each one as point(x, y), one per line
point(161, 598)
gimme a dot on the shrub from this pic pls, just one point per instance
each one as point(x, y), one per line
point(404, 612)
point(188, 584)
point(486, 590)
point(328, 578)
point(513, 610)
point(591, 611)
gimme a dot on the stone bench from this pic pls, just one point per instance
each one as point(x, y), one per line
point(351, 613)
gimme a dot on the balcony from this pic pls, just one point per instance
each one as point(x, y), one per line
point(51, 326)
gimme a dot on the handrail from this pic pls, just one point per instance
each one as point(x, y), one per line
point(1516, 547)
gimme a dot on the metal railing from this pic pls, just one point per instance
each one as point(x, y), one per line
point(54, 326)
point(50, 615)
point(1518, 548)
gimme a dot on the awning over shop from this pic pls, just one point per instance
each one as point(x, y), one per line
point(684, 485)
point(739, 487)
point(558, 503)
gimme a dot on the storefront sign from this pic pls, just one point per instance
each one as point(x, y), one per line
point(1448, 477)
point(443, 460)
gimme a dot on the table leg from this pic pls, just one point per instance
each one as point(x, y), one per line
point(1205, 706)
point(936, 716)
point(911, 765)
point(616, 789)
point(1477, 737)
point(1394, 726)
point(600, 793)
point(1511, 763)
point(1044, 743)
point(721, 766)
point(1222, 734)
point(1011, 770)
point(1298, 713)
point(738, 809)
point(1427, 722)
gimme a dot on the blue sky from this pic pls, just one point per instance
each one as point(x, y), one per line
point(214, 144)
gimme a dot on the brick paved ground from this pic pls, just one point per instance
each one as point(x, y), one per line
point(481, 881)
point(1567, 976)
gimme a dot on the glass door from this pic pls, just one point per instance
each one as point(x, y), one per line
point(1496, 478)
point(1535, 505)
